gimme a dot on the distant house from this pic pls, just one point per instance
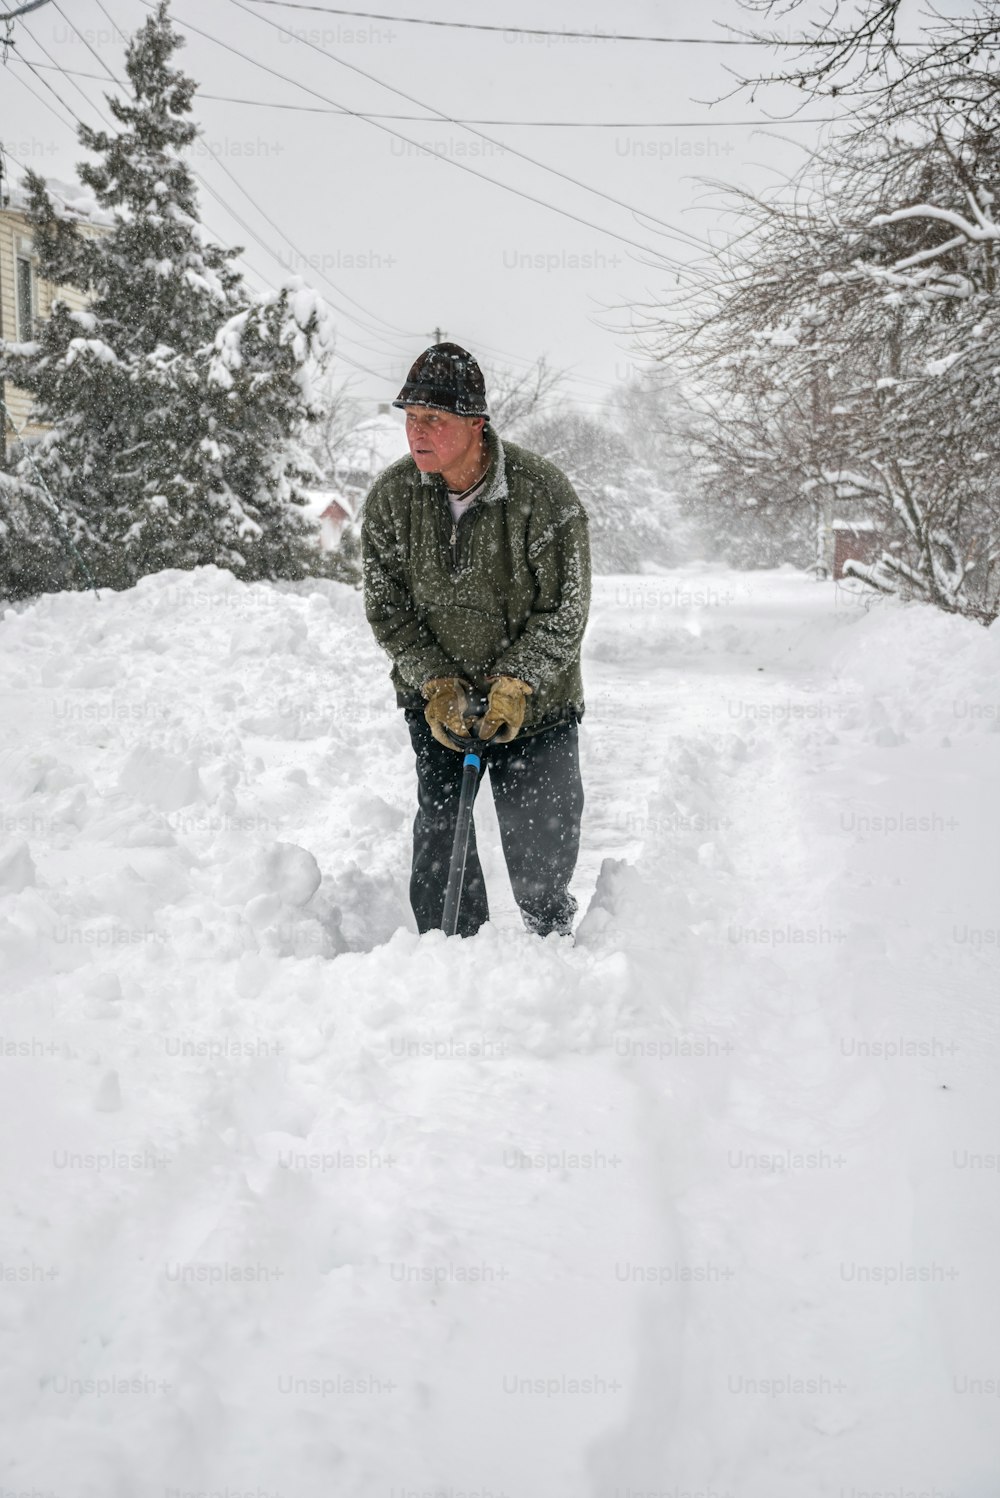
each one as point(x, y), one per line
point(24, 297)
point(334, 518)
point(854, 541)
point(854, 536)
point(331, 513)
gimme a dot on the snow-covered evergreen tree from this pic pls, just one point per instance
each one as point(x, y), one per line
point(175, 402)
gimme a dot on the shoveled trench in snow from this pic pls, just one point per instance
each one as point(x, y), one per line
point(298, 1202)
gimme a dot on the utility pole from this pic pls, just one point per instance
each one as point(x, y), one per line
point(438, 335)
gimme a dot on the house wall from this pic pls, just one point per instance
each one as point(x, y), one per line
point(14, 226)
point(861, 545)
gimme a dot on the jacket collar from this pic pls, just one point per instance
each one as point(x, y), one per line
point(496, 475)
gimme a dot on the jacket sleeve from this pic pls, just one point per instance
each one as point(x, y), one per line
point(559, 559)
point(389, 605)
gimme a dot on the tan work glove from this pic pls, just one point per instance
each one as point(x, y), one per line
point(505, 709)
point(447, 703)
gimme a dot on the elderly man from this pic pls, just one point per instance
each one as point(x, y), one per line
point(477, 581)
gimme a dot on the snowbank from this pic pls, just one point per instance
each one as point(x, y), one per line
point(301, 1202)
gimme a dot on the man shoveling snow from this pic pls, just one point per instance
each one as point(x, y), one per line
point(477, 583)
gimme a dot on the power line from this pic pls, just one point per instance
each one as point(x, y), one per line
point(347, 358)
point(374, 332)
point(511, 358)
point(94, 54)
point(111, 18)
point(46, 84)
point(44, 81)
point(343, 356)
point(582, 380)
point(683, 235)
point(396, 332)
point(502, 353)
point(590, 36)
point(447, 160)
point(430, 119)
point(40, 97)
point(351, 317)
point(248, 229)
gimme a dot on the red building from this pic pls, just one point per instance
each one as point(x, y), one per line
point(854, 541)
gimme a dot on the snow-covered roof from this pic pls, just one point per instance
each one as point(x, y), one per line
point(318, 501)
point(373, 445)
point(854, 525)
point(71, 200)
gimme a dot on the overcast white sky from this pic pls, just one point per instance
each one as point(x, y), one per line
point(418, 243)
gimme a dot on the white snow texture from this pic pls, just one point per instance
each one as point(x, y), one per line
point(297, 1203)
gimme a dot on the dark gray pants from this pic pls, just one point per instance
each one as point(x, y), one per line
point(538, 795)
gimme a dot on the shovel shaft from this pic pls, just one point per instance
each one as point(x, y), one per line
point(460, 846)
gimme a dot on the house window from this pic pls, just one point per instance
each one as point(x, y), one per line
point(25, 281)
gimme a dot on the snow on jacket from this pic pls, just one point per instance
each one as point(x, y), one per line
point(505, 590)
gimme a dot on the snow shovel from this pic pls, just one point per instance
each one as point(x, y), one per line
point(472, 763)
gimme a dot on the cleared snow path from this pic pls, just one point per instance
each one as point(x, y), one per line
point(298, 1204)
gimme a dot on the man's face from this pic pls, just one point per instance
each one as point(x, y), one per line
point(440, 440)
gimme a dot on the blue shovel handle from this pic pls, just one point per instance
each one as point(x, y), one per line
point(471, 767)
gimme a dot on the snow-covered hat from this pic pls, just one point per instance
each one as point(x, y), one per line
point(446, 377)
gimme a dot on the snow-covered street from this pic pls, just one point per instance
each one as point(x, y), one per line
point(300, 1204)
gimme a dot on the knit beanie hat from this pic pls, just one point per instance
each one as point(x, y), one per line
point(446, 377)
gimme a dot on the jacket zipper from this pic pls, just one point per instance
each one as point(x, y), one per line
point(472, 510)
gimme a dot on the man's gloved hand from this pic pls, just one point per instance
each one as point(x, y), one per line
point(505, 709)
point(447, 704)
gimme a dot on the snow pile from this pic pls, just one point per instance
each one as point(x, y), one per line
point(301, 1203)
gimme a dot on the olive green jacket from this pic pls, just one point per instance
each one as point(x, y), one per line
point(505, 590)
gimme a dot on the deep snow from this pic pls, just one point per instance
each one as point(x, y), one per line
point(298, 1204)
